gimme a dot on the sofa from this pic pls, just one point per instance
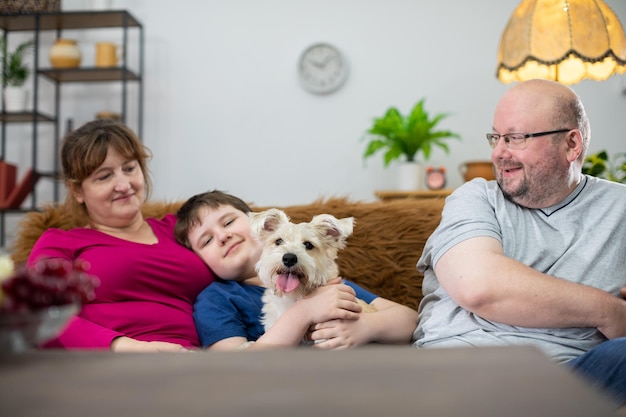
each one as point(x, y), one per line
point(381, 254)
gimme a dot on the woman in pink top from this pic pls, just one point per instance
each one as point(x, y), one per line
point(148, 282)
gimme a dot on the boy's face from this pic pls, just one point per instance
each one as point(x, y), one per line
point(222, 240)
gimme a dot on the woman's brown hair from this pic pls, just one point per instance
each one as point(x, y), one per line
point(85, 149)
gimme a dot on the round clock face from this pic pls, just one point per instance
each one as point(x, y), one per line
point(435, 179)
point(322, 68)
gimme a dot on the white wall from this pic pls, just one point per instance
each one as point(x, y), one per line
point(224, 109)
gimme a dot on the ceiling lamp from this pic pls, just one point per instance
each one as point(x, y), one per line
point(562, 40)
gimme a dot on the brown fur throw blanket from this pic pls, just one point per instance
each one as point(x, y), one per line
point(381, 255)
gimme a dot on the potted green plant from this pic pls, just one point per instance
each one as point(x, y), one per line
point(14, 74)
point(405, 137)
point(602, 166)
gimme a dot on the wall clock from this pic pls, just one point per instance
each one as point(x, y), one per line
point(322, 68)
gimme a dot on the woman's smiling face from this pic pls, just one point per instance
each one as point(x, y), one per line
point(114, 193)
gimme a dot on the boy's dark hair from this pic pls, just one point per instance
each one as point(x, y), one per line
point(188, 215)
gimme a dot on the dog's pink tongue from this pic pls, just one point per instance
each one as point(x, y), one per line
point(287, 282)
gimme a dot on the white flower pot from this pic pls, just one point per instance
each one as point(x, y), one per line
point(410, 176)
point(100, 4)
point(15, 99)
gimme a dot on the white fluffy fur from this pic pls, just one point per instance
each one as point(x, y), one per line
point(308, 250)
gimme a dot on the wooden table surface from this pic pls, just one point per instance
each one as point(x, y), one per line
point(373, 381)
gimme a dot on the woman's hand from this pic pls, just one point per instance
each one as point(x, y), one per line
point(127, 344)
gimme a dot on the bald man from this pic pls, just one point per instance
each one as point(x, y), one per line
point(538, 255)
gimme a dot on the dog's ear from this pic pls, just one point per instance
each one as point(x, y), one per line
point(266, 222)
point(336, 230)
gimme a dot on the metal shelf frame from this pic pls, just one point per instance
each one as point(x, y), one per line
point(58, 22)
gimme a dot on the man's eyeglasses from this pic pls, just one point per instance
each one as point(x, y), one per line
point(517, 141)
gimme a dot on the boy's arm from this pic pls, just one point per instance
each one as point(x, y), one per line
point(392, 323)
point(325, 303)
point(230, 343)
point(284, 333)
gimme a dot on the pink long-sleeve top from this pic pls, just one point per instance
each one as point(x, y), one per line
point(146, 292)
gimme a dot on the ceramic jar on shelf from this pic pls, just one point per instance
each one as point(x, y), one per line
point(473, 169)
point(65, 53)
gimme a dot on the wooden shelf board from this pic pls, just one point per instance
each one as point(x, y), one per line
point(68, 20)
point(90, 74)
point(24, 117)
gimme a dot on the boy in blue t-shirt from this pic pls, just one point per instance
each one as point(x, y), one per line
point(227, 313)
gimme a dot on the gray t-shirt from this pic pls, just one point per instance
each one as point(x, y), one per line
point(582, 239)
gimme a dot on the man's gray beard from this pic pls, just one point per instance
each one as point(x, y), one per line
point(521, 191)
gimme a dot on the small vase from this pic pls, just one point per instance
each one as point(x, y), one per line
point(474, 169)
point(65, 54)
point(409, 176)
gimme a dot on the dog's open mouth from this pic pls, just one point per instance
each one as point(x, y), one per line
point(287, 281)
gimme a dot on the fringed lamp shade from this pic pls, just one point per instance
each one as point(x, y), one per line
point(562, 40)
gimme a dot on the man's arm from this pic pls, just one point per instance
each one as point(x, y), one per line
point(481, 279)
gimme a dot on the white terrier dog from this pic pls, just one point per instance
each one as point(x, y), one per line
point(296, 258)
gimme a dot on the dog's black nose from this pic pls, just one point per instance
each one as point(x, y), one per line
point(290, 259)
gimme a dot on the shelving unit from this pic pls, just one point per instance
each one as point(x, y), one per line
point(123, 73)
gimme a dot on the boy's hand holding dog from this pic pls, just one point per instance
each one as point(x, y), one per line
point(326, 303)
point(329, 302)
point(339, 334)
